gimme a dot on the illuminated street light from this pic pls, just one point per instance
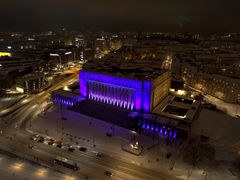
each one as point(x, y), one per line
point(41, 172)
point(181, 92)
point(20, 89)
point(68, 177)
point(135, 146)
point(67, 53)
point(54, 55)
point(17, 166)
point(66, 88)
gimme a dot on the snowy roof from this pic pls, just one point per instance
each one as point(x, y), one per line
point(178, 107)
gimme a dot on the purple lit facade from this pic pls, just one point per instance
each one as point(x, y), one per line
point(64, 100)
point(130, 94)
point(158, 129)
point(124, 93)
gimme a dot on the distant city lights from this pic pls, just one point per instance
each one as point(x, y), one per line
point(67, 53)
point(56, 55)
point(5, 54)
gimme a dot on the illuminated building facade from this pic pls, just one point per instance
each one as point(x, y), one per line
point(31, 82)
point(158, 129)
point(65, 97)
point(64, 100)
point(129, 101)
point(129, 94)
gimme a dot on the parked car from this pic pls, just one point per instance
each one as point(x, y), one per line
point(99, 155)
point(41, 139)
point(71, 149)
point(51, 142)
point(59, 145)
point(48, 140)
point(83, 149)
point(108, 173)
point(30, 146)
point(35, 137)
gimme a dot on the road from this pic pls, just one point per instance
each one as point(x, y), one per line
point(19, 104)
point(40, 97)
point(90, 165)
point(14, 126)
point(26, 109)
point(12, 167)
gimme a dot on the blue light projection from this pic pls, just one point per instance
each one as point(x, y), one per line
point(121, 92)
point(63, 100)
point(158, 129)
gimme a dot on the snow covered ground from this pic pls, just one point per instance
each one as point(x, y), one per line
point(222, 129)
point(229, 108)
point(218, 125)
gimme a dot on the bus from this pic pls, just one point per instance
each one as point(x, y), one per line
point(66, 163)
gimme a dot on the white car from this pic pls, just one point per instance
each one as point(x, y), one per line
point(75, 146)
point(48, 141)
point(35, 137)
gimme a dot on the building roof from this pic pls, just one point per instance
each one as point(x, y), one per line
point(8, 64)
point(178, 107)
point(31, 77)
point(131, 70)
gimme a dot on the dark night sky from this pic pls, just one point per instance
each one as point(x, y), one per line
point(162, 15)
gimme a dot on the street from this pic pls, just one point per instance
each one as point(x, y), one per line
point(14, 126)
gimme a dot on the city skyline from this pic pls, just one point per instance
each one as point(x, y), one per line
point(120, 90)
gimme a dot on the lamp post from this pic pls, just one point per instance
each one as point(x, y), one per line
point(113, 127)
point(93, 137)
point(60, 61)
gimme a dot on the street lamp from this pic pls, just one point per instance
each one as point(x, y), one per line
point(135, 146)
point(93, 136)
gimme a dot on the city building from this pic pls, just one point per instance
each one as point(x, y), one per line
point(12, 68)
point(5, 54)
point(222, 87)
point(135, 94)
point(31, 83)
point(129, 93)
